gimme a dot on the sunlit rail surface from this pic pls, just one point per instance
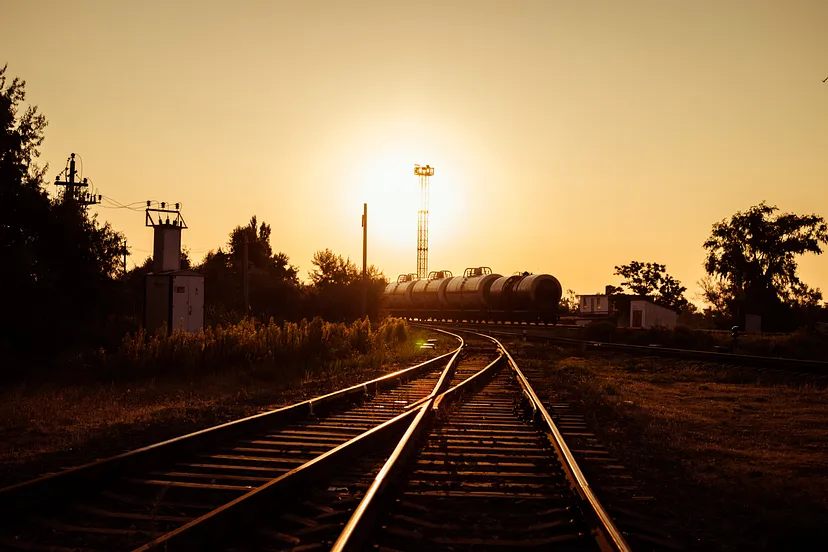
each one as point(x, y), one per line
point(456, 453)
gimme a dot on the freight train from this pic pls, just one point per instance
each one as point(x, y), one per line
point(477, 295)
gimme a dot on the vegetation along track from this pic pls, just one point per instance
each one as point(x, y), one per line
point(493, 473)
point(481, 467)
point(192, 491)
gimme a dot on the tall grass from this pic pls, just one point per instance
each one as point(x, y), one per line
point(251, 343)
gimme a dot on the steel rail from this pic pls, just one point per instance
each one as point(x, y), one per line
point(355, 531)
point(583, 486)
point(16, 500)
point(205, 531)
point(780, 363)
point(216, 524)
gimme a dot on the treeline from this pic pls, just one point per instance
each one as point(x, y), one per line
point(752, 269)
point(57, 265)
point(336, 291)
point(61, 269)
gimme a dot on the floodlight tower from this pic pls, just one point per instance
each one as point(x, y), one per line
point(424, 174)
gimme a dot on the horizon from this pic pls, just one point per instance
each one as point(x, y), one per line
point(589, 137)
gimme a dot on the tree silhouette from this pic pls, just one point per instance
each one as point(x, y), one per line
point(275, 290)
point(332, 270)
point(751, 261)
point(58, 263)
point(337, 288)
point(652, 279)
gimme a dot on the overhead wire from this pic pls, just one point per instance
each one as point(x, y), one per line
point(118, 205)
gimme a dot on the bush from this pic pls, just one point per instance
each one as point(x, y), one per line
point(251, 343)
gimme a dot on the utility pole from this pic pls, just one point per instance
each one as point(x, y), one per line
point(424, 174)
point(126, 252)
point(71, 195)
point(364, 259)
point(245, 282)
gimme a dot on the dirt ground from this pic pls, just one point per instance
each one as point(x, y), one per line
point(739, 456)
point(46, 428)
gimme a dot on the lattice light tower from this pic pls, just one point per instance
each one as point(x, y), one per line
point(424, 174)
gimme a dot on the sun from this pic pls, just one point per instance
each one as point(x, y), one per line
point(377, 168)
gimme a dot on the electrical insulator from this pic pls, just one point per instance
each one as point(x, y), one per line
point(163, 204)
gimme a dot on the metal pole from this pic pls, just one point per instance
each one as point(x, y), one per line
point(364, 259)
point(364, 242)
point(245, 283)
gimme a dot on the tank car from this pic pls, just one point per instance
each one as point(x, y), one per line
point(430, 294)
point(470, 292)
point(525, 297)
point(478, 295)
point(397, 295)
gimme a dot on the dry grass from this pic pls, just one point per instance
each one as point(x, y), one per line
point(742, 454)
point(49, 426)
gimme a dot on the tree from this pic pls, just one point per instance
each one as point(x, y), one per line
point(332, 269)
point(56, 260)
point(752, 268)
point(274, 284)
point(569, 304)
point(259, 251)
point(337, 288)
point(652, 279)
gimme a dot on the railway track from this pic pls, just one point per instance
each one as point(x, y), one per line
point(816, 368)
point(457, 453)
point(482, 467)
point(315, 521)
point(186, 490)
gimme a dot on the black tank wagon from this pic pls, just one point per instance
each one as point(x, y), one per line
point(477, 295)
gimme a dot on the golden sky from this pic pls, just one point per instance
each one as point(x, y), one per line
point(567, 136)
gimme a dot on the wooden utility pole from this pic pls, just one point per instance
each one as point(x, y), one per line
point(125, 257)
point(364, 259)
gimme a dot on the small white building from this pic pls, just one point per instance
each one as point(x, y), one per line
point(634, 311)
point(646, 314)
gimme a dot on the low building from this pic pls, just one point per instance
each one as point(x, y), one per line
point(646, 314)
point(633, 311)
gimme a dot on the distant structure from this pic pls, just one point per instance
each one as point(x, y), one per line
point(624, 310)
point(424, 174)
point(72, 193)
point(172, 297)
